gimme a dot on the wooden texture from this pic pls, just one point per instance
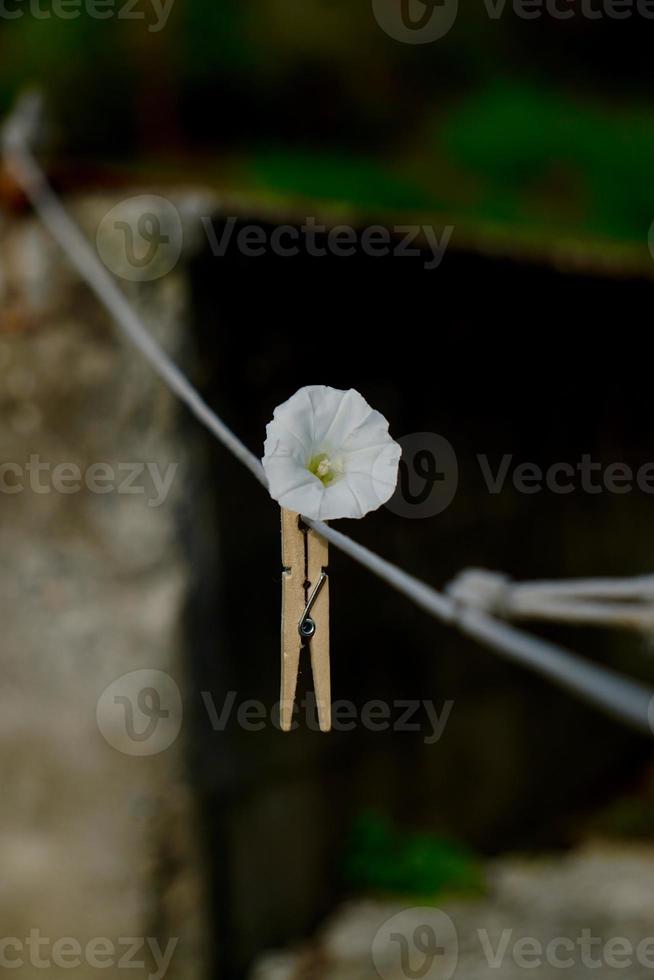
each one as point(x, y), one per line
point(304, 555)
point(293, 602)
point(318, 557)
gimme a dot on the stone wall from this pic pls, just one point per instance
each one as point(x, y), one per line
point(98, 831)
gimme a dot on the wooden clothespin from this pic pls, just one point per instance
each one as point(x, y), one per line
point(305, 616)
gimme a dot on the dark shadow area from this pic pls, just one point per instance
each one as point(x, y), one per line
point(498, 358)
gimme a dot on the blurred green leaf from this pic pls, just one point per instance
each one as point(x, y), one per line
point(342, 179)
point(542, 159)
point(380, 858)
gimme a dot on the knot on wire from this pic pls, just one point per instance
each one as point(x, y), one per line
point(481, 589)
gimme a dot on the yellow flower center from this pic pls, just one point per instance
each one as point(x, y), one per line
point(325, 468)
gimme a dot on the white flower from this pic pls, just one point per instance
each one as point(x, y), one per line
point(328, 454)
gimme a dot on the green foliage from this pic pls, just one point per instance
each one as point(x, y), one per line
point(380, 858)
point(541, 158)
point(515, 162)
point(213, 40)
point(338, 178)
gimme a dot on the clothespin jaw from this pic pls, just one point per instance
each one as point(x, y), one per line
point(305, 616)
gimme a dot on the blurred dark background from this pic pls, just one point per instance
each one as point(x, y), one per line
point(499, 357)
point(523, 131)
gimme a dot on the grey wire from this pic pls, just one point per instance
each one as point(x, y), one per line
point(637, 587)
point(626, 603)
point(620, 697)
point(31, 178)
point(624, 699)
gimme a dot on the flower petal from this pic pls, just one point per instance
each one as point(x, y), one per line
point(340, 501)
point(371, 431)
point(295, 417)
point(306, 499)
point(337, 415)
point(320, 420)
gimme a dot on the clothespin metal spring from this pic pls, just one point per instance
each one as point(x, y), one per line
point(307, 627)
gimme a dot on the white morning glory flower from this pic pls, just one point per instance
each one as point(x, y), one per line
point(328, 454)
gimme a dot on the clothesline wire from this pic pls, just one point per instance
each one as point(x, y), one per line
point(623, 603)
point(625, 699)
